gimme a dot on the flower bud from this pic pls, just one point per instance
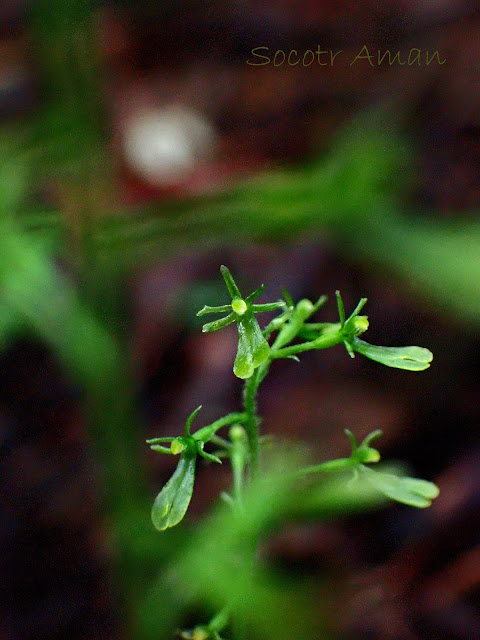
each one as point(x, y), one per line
point(237, 432)
point(304, 308)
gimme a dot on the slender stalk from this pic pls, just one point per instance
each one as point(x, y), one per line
point(252, 421)
point(206, 433)
point(220, 620)
point(237, 482)
point(238, 460)
point(221, 442)
point(323, 342)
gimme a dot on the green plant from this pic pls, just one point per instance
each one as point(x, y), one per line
point(257, 350)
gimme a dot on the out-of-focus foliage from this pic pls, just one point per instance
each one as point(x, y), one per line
point(217, 563)
point(352, 193)
point(348, 195)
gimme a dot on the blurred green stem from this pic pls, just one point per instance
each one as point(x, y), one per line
point(253, 421)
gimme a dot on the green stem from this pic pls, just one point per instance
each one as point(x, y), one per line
point(252, 420)
point(221, 442)
point(237, 482)
point(331, 466)
point(219, 621)
point(323, 342)
point(206, 433)
point(238, 460)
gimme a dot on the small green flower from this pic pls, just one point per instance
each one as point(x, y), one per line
point(253, 348)
point(408, 358)
point(411, 491)
point(172, 502)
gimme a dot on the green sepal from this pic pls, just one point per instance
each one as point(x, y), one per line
point(249, 299)
point(268, 306)
point(155, 446)
point(351, 319)
point(341, 308)
point(159, 449)
point(190, 419)
point(411, 491)
point(206, 309)
point(219, 324)
point(208, 456)
point(288, 298)
point(365, 454)
point(172, 502)
point(230, 282)
point(409, 358)
point(179, 445)
point(157, 440)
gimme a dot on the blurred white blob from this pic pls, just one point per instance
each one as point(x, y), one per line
point(164, 146)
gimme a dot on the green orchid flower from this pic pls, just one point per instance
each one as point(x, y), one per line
point(253, 348)
point(409, 358)
point(172, 502)
point(410, 491)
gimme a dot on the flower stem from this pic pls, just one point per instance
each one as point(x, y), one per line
point(322, 342)
point(252, 420)
point(218, 622)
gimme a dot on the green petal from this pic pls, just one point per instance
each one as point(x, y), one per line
point(409, 358)
point(268, 306)
point(172, 502)
point(219, 324)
